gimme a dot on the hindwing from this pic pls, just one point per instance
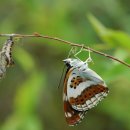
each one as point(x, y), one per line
point(83, 91)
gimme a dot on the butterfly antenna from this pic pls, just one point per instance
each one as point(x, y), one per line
point(61, 76)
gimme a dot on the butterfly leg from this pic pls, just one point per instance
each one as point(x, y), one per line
point(89, 59)
point(72, 51)
point(79, 52)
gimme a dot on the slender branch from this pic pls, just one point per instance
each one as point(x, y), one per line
point(66, 42)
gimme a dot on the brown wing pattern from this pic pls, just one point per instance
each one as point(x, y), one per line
point(89, 98)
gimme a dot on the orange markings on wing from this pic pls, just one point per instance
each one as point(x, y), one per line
point(76, 81)
point(87, 94)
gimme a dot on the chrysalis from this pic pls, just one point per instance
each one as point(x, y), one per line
point(6, 57)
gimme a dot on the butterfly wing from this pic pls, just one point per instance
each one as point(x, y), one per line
point(72, 116)
point(85, 89)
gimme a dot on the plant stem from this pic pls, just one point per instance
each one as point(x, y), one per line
point(66, 42)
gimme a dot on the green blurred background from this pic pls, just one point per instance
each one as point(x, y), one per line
point(29, 98)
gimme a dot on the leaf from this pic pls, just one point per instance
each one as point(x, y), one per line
point(28, 94)
point(109, 36)
point(121, 54)
point(24, 59)
point(26, 101)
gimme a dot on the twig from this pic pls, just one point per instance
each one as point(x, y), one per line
point(67, 42)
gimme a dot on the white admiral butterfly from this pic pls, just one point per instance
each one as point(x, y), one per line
point(83, 90)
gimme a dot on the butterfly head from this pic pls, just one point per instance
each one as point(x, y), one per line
point(76, 63)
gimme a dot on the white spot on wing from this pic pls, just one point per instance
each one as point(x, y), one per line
point(93, 99)
point(105, 94)
point(69, 114)
point(66, 114)
point(88, 102)
point(98, 95)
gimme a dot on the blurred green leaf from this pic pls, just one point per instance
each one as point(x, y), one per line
point(28, 94)
point(26, 101)
point(24, 59)
point(17, 122)
point(109, 36)
point(121, 54)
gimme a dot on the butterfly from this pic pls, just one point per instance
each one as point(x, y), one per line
point(6, 57)
point(83, 90)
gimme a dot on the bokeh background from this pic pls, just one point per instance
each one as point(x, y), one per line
point(29, 98)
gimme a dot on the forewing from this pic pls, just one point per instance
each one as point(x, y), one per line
point(92, 75)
